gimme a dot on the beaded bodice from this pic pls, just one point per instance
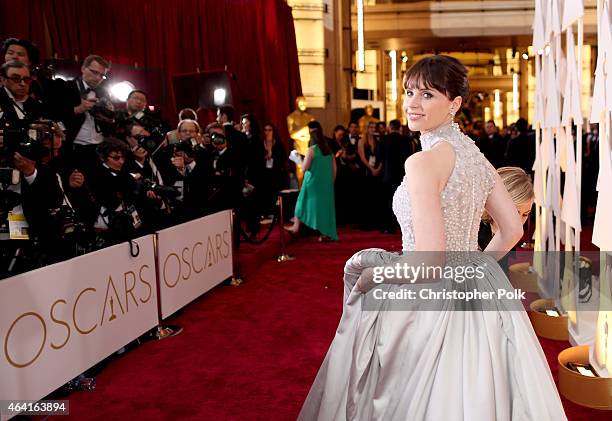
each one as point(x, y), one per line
point(463, 198)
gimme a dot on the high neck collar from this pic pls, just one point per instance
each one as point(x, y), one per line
point(444, 132)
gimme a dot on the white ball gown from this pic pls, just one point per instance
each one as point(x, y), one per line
point(435, 365)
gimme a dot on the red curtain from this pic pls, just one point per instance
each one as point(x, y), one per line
point(253, 39)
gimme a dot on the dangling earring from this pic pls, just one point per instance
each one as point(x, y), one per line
point(451, 113)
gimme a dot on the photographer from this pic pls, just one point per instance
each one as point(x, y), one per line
point(136, 111)
point(114, 190)
point(14, 49)
point(191, 177)
point(37, 187)
point(157, 197)
point(78, 212)
point(235, 139)
point(15, 103)
point(86, 111)
point(226, 178)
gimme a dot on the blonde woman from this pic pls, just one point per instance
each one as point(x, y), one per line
point(519, 185)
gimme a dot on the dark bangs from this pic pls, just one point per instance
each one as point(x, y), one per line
point(443, 73)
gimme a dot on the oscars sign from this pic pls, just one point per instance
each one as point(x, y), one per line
point(58, 321)
point(193, 258)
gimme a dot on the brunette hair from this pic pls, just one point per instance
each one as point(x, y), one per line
point(442, 73)
point(317, 138)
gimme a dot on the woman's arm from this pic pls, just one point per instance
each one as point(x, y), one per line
point(426, 175)
point(307, 160)
point(503, 211)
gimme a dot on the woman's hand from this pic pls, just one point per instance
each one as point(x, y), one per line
point(366, 280)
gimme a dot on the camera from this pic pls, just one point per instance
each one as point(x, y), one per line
point(26, 138)
point(103, 111)
point(188, 146)
point(152, 142)
point(8, 176)
point(167, 192)
point(217, 138)
point(68, 226)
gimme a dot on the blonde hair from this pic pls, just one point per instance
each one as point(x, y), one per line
point(519, 185)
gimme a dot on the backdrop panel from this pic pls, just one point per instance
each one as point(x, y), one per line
point(253, 39)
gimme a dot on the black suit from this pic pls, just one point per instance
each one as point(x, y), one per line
point(520, 152)
point(67, 96)
point(147, 120)
point(195, 191)
point(32, 108)
point(239, 143)
point(38, 198)
point(393, 151)
point(494, 150)
point(226, 180)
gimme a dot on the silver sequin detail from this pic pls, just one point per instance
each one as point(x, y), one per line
point(463, 198)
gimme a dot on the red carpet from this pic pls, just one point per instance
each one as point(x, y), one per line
point(249, 352)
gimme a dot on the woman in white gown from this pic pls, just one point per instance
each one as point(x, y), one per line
point(415, 365)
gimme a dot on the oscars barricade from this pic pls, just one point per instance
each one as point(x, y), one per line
point(193, 258)
point(60, 320)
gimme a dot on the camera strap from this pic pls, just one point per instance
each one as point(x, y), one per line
point(61, 184)
point(21, 110)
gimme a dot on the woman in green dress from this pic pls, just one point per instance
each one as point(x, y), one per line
point(315, 206)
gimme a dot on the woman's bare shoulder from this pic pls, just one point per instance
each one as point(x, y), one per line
point(438, 159)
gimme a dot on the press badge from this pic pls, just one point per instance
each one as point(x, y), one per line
point(136, 221)
point(18, 226)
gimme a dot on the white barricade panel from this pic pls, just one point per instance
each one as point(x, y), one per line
point(193, 258)
point(58, 321)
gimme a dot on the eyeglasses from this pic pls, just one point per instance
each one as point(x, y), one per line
point(18, 79)
point(188, 131)
point(96, 73)
point(116, 157)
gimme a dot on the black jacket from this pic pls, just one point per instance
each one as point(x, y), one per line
point(32, 108)
point(393, 151)
point(38, 199)
point(64, 98)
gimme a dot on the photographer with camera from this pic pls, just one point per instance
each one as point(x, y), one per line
point(226, 176)
point(136, 111)
point(191, 177)
point(84, 107)
point(74, 220)
point(157, 200)
point(34, 194)
point(115, 192)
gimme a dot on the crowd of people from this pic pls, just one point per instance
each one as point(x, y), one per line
point(97, 176)
point(84, 175)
